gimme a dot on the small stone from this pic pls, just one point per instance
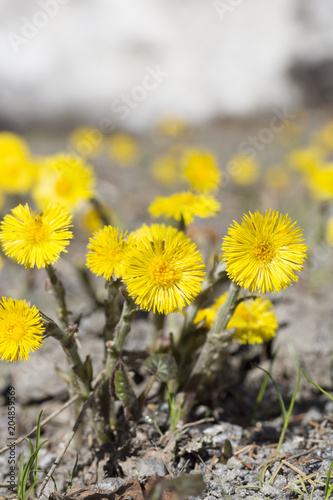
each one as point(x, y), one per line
point(110, 484)
point(150, 466)
point(269, 491)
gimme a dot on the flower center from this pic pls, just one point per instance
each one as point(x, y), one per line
point(185, 198)
point(163, 273)
point(63, 186)
point(15, 331)
point(37, 231)
point(264, 251)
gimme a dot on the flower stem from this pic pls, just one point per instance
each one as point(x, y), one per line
point(217, 341)
point(114, 348)
point(59, 293)
point(112, 313)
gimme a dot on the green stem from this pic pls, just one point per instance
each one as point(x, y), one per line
point(217, 341)
point(80, 385)
point(111, 309)
point(114, 348)
point(59, 293)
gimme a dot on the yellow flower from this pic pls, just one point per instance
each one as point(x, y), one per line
point(87, 141)
point(17, 169)
point(305, 159)
point(255, 322)
point(163, 269)
point(263, 252)
point(106, 252)
point(21, 329)
point(36, 239)
point(253, 319)
point(164, 169)
point(64, 179)
point(124, 150)
point(172, 126)
point(320, 181)
point(201, 170)
point(277, 177)
point(184, 206)
point(207, 315)
point(243, 170)
point(90, 218)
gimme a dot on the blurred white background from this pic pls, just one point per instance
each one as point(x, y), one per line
point(80, 61)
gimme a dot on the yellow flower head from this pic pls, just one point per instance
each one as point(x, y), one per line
point(207, 316)
point(305, 159)
point(21, 329)
point(172, 126)
point(106, 252)
point(64, 179)
point(320, 181)
point(90, 218)
point(185, 205)
point(254, 320)
point(34, 239)
point(277, 177)
point(263, 251)
point(124, 150)
point(17, 170)
point(87, 141)
point(164, 169)
point(163, 269)
point(243, 170)
point(201, 171)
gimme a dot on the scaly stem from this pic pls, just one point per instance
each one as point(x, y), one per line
point(59, 293)
point(111, 310)
point(217, 341)
point(114, 348)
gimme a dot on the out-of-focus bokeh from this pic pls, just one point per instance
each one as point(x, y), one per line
point(66, 62)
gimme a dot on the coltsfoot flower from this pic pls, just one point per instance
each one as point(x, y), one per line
point(163, 269)
point(243, 169)
point(36, 240)
point(201, 171)
point(17, 169)
point(184, 206)
point(106, 252)
point(87, 141)
point(263, 251)
point(21, 329)
point(124, 150)
point(64, 179)
point(254, 320)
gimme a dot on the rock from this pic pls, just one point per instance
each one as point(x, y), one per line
point(150, 466)
point(110, 484)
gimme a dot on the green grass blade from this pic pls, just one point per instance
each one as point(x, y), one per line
point(327, 484)
point(72, 473)
point(283, 408)
point(291, 407)
point(316, 385)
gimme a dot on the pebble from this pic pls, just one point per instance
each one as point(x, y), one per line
point(110, 484)
point(150, 466)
